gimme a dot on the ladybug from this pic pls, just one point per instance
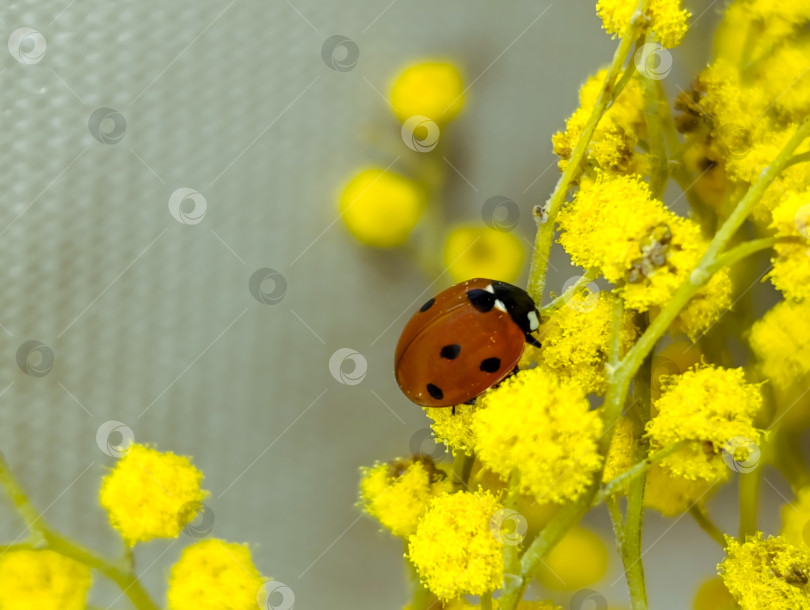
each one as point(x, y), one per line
point(463, 341)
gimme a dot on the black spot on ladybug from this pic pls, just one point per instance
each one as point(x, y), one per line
point(451, 351)
point(482, 300)
point(435, 391)
point(491, 365)
point(427, 305)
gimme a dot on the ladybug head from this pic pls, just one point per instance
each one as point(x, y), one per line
point(520, 307)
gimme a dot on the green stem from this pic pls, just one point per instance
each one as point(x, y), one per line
point(612, 487)
point(620, 380)
point(486, 601)
point(555, 304)
point(746, 249)
point(634, 566)
point(462, 466)
point(749, 501)
point(547, 220)
point(511, 561)
point(707, 525)
point(19, 499)
point(568, 516)
point(800, 158)
point(126, 580)
point(655, 135)
point(630, 553)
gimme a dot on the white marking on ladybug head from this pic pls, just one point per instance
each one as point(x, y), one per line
point(534, 324)
point(499, 305)
point(490, 289)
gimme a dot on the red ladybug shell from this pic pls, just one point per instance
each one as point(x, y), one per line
point(450, 351)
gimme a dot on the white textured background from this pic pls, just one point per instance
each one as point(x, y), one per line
point(151, 322)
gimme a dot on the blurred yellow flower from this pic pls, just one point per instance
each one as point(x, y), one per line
point(796, 520)
point(398, 493)
point(434, 89)
point(473, 251)
point(791, 263)
point(454, 550)
point(381, 208)
point(215, 575)
point(672, 495)
point(667, 18)
point(712, 408)
point(766, 573)
point(150, 494)
point(781, 342)
point(713, 595)
point(620, 456)
point(542, 426)
point(579, 559)
point(673, 359)
point(42, 579)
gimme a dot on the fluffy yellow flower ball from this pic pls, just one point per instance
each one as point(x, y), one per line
point(454, 550)
point(472, 251)
point(381, 208)
point(575, 340)
point(33, 579)
point(781, 342)
point(713, 410)
point(434, 89)
point(541, 425)
point(613, 145)
point(150, 494)
point(578, 560)
point(215, 575)
point(454, 429)
point(398, 494)
point(667, 18)
point(766, 573)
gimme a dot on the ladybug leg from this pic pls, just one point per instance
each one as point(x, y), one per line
point(532, 341)
point(453, 410)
